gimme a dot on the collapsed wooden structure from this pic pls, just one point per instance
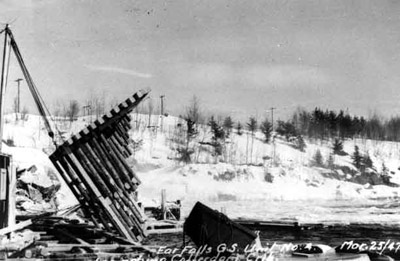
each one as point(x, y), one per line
point(93, 164)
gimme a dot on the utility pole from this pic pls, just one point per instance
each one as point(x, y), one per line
point(162, 111)
point(18, 99)
point(272, 117)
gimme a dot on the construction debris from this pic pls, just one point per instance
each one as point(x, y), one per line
point(93, 165)
point(49, 238)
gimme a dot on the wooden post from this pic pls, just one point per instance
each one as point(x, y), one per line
point(163, 201)
point(7, 192)
point(94, 211)
point(3, 82)
point(114, 192)
point(118, 159)
point(118, 129)
point(100, 153)
point(132, 176)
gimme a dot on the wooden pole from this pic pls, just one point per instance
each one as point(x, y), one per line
point(3, 83)
point(106, 184)
point(114, 192)
point(86, 200)
point(163, 201)
point(118, 160)
point(124, 166)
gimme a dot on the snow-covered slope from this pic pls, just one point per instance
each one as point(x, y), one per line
point(298, 191)
point(251, 179)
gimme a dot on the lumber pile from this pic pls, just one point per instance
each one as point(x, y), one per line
point(93, 164)
point(50, 238)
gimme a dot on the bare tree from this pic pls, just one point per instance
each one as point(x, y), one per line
point(191, 117)
point(57, 110)
point(252, 127)
point(150, 110)
point(193, 110)
point(73, 110)
point(97, 104)
point(24, 113)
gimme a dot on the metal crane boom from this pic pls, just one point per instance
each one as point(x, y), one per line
point(32, 87)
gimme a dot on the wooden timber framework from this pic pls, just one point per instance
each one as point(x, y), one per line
point(93, 164)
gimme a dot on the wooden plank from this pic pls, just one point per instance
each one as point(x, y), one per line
point(92, 175)
point(123, 105)
point(119, 150)
point(121, 142)
point(116, 187)
point(117, 203)
point(132, 175)
point(118, 220)
point(118, 160)
point(75, 191)
point(101, 168)
point(93, 210)
point(96, 195)
point(72, 237)
point(125, 125)
point(124, 135)
point(77, 167)
point(123, 169)
point(106, 151)
point(114, 193)
point(129, 101)
point(138, 214)
point(96, 150)
point(15, 227)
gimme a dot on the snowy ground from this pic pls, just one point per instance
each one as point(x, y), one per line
point(298, 191)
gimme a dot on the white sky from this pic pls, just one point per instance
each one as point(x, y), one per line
point(238, 57)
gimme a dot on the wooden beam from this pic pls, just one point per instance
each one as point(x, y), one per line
point(15, 227)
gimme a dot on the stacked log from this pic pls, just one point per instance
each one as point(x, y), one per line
point(93, 164)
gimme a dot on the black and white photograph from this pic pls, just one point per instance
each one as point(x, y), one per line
point(200, 130)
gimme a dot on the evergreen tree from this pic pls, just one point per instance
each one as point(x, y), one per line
point(239, 129)
point(318, 160)
point(266, 129)
point(286, 129)
point(218, 135)
point(357, 158)
point(331, 161)
point(367, 161)
point(332, 118)
point(301, 145)
point(191, 132)
point(385, 170)
point(338, 147)
point(228, 125)
point(252, 125)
